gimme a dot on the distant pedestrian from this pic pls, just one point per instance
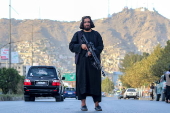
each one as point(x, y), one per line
point(123, 91)
point(151, 91)
point(158, 90)
point(167, 79)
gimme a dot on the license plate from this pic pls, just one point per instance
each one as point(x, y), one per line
point(40, 83)
point(130, 93)
point(70, 93)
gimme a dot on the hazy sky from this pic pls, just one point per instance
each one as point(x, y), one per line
point(73, 10)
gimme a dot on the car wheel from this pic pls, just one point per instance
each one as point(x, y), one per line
point(26, 98)
point(137, 98)
point(32, 98)
point(59, 98)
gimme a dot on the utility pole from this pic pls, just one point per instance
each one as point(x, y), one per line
point(108, 8)
point(9, 33)
point(32, 45)
point(126, 3)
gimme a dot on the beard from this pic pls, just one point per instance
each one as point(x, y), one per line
point(87, 28)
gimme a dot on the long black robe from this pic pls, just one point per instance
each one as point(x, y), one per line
point(88, 78)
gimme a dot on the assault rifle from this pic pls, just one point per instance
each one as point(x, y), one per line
point(95, 61)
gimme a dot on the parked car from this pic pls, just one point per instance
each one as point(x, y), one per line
point(43, 81)
point(70, 93)
point(131, 93)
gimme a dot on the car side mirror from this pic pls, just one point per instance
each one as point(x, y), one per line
point(63, 78)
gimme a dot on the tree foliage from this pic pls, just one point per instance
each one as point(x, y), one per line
point(142, 73)
point(20, 89)
point(107, 85)
point(9, 79)
point(163, 62)
point(130, 59)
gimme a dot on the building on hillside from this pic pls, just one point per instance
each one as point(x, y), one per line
point(19, 67)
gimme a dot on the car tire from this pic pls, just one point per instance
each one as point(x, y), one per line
point(137, 98)
point(32, 98)
point(59, 98)
point(26, 98)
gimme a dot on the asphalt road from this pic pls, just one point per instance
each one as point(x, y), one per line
point(71, 105)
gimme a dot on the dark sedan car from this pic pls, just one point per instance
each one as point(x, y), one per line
point(70, 93)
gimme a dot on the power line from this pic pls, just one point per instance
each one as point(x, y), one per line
point(14, 10)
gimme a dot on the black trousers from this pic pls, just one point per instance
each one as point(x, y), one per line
point(152, 96)
point(158, 97)
point(96, 98)
point(167, 92)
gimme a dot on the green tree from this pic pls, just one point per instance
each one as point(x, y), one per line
point(107, 85)
point(3, 82)
point(163, 62)
point(20, 89)
point(130, 59)
point(141, 73)
point(9, 79)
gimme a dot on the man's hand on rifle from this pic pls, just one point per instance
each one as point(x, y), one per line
point(83, 46)
point(89, 53)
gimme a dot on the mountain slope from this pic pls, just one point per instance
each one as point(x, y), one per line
point(131, 30)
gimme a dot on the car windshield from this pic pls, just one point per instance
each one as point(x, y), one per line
point(45, 72)
point(70, 89)
point(131, 90)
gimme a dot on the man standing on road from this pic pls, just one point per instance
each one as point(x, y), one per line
point(167, 79)
point(88, 78)
point(152, 87)
point(158, 90)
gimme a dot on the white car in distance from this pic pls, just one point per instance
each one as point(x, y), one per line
point(130, 93)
